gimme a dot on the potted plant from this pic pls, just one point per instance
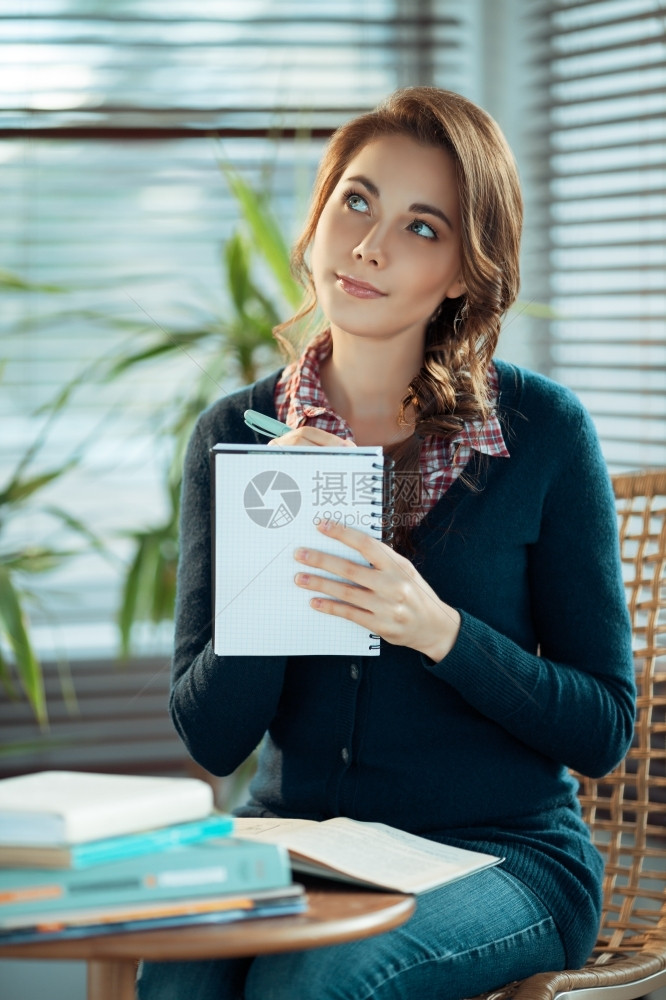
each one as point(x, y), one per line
point(239, 343)
point(22, 496)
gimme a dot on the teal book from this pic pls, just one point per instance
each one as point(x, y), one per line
point(96, 852)
point(228, 865)
point(228, 908)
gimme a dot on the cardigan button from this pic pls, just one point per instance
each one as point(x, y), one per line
point(345, 755)
point(354, 671)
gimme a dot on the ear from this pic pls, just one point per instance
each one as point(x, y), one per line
point(455, 289)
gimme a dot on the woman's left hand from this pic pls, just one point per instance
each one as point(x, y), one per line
point(388, 597)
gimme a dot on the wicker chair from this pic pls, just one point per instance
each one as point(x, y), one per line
point(626, 810)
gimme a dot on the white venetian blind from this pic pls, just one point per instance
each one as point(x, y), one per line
point(598, 212)
point(113, 117)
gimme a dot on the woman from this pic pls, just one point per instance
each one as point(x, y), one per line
point(505, 656)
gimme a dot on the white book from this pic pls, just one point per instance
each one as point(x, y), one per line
point(367, 854)
point(70, 807)
point(267, 503)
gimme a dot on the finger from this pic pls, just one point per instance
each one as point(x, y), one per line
point(311, 435)
point(357, 573)
point(338, 609)
point(340, 590)
point(372, 549)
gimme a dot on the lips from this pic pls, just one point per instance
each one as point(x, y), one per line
point(359, 289)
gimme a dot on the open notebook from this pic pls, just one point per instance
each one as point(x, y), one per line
point(267, 502)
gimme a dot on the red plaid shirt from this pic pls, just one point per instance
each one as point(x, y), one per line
point(300, 399)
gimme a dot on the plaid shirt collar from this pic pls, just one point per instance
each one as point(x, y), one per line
point(300, 399)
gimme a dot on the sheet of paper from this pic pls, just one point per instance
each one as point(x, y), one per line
point(369, 852)
point(268, 502)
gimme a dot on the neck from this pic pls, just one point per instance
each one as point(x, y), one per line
point(365, 382)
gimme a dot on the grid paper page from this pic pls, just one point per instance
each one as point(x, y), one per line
point(267, 503)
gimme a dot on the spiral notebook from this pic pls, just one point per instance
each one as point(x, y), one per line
point(267, 502)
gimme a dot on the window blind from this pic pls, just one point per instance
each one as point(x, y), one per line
point(598, 209)
point(113, 121)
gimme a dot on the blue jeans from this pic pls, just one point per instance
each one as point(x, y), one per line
point(465, 938)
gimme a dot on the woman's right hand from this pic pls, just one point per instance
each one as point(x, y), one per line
point(312, 436)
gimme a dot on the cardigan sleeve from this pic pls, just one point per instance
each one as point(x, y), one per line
point(220, 705)
point(573, 700)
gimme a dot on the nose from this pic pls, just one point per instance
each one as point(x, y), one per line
point(371, 250)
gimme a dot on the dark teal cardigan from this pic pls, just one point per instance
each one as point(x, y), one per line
point(474, 750)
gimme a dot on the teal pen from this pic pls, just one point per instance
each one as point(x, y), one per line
point(262, 424)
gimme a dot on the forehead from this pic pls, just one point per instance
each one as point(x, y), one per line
point(398, 164)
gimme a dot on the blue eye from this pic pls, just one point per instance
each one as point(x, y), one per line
point(422, 229)
point(356, 202)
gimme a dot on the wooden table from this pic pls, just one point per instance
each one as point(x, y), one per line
point(335, 914)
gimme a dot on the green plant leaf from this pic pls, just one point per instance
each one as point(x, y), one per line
point(267, 311)
point(238, 271)
point(164, 594)
point(13, 628)
point(6, 678)
point(129, 608)
point(150, 583)
point(33, 746)
point(19, 489)
point(266, 235)
point(171, 342)
point(15, 283)
point(79, 527)
point(36, 559)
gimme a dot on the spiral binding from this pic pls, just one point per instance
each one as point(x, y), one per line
point(388, 501)
point(384, 526)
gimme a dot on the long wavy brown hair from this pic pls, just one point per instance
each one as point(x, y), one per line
point(451, 388)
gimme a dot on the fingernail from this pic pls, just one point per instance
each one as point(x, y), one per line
point(302, 554)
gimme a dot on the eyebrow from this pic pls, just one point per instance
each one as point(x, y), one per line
point(419, 207)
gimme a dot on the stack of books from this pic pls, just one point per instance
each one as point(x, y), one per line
point(84, 854)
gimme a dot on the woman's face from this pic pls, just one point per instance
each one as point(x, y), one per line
point(386, 250)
